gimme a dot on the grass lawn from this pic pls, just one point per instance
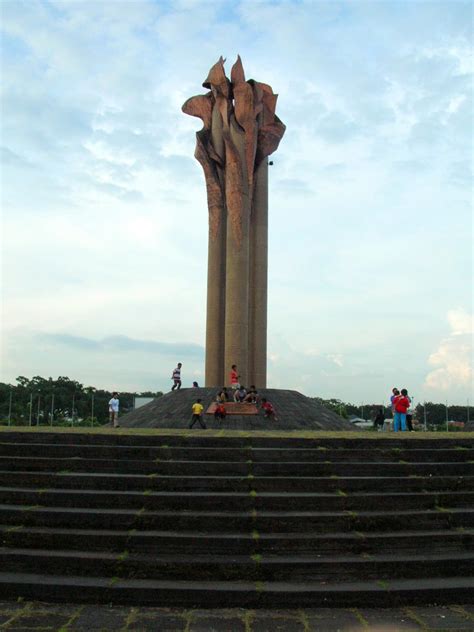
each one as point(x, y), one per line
point(302, 434)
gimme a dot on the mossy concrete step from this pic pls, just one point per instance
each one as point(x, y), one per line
point(229, 483)
point(62, 588)
point(225, 521)
point(293, 518)
point(257, 567)
point(235, 501)
point(218, 468)
point(356, 441)
point(234, 454)
point(152, 541)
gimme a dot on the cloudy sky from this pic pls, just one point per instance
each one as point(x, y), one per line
point(104, 236)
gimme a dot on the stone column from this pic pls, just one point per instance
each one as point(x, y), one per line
point(237, 268)
point(215, 307)
point(216, 274)
point(258, 279)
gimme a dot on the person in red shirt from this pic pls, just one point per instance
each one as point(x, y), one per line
point(269, 410)
point(401, 404)
point(234, 378)
point(220, 412)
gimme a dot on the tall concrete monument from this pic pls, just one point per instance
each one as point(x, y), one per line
point(240, 131)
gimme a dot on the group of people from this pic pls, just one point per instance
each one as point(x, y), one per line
point(400, 403)
point(223, 398)
point(402, 416)
point(239, 394)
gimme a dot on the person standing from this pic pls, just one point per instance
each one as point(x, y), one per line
point(410, 416)
point(395, 393)
point(176, 377)
point(234, 378)
point(197, 414)
point(379, 419)
point(401, 403)
point(114, 410)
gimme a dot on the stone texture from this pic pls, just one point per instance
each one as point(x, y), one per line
point(294, 411)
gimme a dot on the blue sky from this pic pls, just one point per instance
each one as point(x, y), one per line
point(104, 231)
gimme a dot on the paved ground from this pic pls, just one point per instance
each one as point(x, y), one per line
point(23, 616)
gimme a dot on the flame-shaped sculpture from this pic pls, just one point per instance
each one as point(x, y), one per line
point(240, 131)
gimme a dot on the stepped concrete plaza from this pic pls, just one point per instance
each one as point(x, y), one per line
point(215, 519)
point(294, 412)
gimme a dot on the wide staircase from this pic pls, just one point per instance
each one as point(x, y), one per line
point(211, 521)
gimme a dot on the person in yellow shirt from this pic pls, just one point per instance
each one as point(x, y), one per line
point(197, 414)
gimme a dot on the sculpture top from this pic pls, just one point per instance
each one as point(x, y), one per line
point(240, 130)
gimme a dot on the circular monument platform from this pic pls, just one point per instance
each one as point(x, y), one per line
point(294, 411)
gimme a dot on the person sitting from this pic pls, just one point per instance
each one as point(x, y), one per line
point(252, 395)
point(220, 412)
point(240, 394)
point(222, 396)
point(195, 385)
point(269, 411)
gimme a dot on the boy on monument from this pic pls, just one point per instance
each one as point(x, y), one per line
point(176, 377)
point(234, 378)
point(220, 412)
point(269, 411)
point(197, 414)
point(252, 395)
point(240, 394)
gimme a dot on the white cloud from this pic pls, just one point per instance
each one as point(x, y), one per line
point(453, 360)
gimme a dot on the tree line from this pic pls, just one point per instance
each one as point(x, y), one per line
point(42, 401)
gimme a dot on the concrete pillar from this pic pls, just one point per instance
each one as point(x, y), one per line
point(258, 281)
point(237, 272)
point(215, 307)
point(216, 276)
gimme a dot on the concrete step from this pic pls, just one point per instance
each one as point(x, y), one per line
point(142, 482)
point(262, 521)
point(237, 454)
point(153, 541)
point(201, 520)
point(256, 567)
point(233, 594)
point(185, 439)
point(235, 501)
point(218, 468)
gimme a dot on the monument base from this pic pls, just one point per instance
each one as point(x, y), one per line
point(294, 411)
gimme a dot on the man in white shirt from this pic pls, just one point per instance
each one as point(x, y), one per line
point(176, 377)
point(114, 410)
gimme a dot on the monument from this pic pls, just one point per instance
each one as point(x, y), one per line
point(240, 131)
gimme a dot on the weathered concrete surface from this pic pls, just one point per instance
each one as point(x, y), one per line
point(294, 411)
point(38, 616)
point(240, 130)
